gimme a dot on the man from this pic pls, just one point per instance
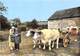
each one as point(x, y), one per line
point(17, 38)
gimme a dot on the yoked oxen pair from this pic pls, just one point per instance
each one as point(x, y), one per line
point(46, 36)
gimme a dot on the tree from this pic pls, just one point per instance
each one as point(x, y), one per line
point(2, 8)
point(33, 24)
point(4, 22)
point(3, 19)
point(17, 21)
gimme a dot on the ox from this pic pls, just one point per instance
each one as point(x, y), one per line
point(36, 40)
point(72, 31)
point(48, 35)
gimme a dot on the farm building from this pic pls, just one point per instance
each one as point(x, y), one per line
point(65, 18)
point(43, 24)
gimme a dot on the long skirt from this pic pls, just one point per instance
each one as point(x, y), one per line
point(11, 44)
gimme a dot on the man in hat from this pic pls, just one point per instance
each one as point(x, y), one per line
point(17, 39)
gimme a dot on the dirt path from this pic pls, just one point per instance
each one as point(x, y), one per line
point(26, 50)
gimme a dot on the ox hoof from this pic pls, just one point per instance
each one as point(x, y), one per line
point(52, 46)
point(43, 48)
point(39, 46)
point(11, 48)
point(57, 47)
point(34, 46)
point(49, 49)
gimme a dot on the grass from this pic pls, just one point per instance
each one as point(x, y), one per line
point(26, 44)
point(4, 32)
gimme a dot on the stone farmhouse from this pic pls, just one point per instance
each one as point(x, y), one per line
point(65, 18)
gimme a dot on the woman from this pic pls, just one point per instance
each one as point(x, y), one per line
point(11, 38)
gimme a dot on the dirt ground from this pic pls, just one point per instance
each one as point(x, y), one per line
point(27, 50)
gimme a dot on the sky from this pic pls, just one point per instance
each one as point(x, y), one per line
point(41, 10)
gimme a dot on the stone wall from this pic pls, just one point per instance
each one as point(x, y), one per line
point(62, 24)
point(53, 24)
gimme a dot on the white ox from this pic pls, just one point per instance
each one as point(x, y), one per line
point(48, 35)
point(36, 40)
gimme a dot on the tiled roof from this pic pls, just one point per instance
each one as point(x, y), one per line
point(67, 13)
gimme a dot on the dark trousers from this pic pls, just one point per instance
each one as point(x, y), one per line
point(16, 46)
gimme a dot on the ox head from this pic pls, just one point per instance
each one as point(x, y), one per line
point(30, 33)
point(37, 34)
point(73, 29)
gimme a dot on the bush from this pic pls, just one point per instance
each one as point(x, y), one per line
point(3, 38)
point(22, 28)
point(33, 24)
